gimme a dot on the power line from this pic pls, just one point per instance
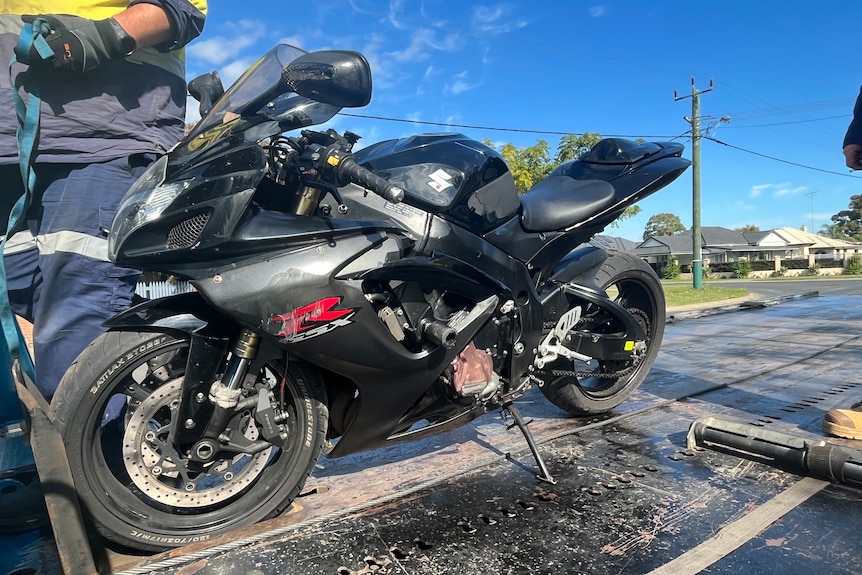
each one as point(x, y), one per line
point(490, 128)
point(793, 122)
point(556, 133)
point(794, 108)
point(717, 141)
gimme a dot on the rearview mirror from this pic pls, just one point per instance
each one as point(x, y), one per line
point(206, 89)
point(337, 77)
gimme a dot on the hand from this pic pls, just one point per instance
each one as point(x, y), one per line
point(851, 156)
point(79, 44)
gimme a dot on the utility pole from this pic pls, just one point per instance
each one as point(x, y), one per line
point(696, 255)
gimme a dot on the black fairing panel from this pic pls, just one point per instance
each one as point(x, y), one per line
point(621, 151)
point(270, 294)
point(221, 183)
point(613, 157)
point(364, 206)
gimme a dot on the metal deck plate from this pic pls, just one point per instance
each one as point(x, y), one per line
point(630, 497)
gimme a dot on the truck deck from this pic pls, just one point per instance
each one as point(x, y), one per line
point(633, 493)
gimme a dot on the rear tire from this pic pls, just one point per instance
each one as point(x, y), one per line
point(637, 288)
point(113, 409)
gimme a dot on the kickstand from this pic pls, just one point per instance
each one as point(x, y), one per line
point(544, 474)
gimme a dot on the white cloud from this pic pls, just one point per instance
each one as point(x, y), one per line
point(417, 50)
point(234, 70)
point(219, 49)
point(427, 78)
point(757, 190)
point(461, 84)
point(597, 11)
point(776, 190)
point(394, 13)
point(495, 19)
point(788, 191)
point(292, 41)
point(358, 9)
point(423, 39)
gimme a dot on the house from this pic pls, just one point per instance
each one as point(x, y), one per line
point(821, 247)
point(721, 245)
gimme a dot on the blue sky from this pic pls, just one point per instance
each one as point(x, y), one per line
point(786, 73)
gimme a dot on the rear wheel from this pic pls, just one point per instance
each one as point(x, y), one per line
point(115, 408)
point(588, 388)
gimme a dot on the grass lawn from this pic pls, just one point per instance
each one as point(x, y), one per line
point(685, 294)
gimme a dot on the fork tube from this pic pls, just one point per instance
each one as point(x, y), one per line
point(308, 199)
point(244, 350)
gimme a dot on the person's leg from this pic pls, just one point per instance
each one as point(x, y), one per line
point(23, 277)
point(81, 288)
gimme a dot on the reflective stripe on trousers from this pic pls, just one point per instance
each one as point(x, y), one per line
point(60, 278)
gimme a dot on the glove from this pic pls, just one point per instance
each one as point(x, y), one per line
point(79, 44)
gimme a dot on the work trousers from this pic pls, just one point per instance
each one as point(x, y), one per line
point(57, 268)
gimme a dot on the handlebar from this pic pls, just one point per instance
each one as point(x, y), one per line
point(347, 170)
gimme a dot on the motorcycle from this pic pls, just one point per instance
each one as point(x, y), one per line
point(342, 301)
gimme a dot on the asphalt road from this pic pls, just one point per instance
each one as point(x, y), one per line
point(768, 288)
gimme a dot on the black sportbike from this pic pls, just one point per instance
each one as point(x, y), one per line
point(342, 301)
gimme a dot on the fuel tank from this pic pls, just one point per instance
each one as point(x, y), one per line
point(447, 174)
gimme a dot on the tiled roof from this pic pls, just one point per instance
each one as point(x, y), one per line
point(715, 239)
point(798, 237)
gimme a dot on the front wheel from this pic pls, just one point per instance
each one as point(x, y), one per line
point(114, 409)
point(589, 388)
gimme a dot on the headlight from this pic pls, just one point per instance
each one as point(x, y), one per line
point(145, 201)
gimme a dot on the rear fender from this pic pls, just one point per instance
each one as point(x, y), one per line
point(580, 265)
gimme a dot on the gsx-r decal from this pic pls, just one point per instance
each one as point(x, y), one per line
point(311, 320)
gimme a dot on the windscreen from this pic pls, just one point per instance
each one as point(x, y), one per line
point(260, 95)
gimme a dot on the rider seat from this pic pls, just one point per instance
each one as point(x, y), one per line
point(559, 202)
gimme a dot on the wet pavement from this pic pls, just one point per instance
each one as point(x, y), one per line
point(631, 496)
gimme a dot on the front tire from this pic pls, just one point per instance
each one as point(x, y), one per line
point(113, 409)
point(633, 284)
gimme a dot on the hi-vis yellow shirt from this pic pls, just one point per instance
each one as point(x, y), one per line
point(94, 10)
point(126, 106)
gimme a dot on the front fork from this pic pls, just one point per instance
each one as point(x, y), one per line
point(207, 404)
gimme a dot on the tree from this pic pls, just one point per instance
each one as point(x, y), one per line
point(830, 231)
point(572, 147)
point(847, 224)
point(663, 224)
point(531, 165)
point(748, 228)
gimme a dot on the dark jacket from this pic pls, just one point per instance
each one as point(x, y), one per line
point(854, 131)
point(126, 106)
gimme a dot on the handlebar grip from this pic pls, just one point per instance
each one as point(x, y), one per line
point(353, 172)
